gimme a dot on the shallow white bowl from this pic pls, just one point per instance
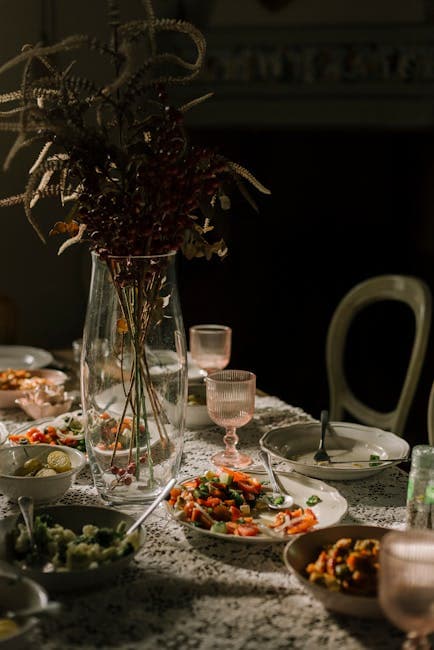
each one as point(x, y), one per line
point(197, 412)
point(8, 397)
point(74, 517)
point(18, 593)
point(46, 410)
point(296, 445)
point(306, 548)
point(43, 489)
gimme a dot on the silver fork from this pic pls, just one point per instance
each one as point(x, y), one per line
point(321, 454)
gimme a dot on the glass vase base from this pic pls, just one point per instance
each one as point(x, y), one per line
point(130, 502)
point(232, 461)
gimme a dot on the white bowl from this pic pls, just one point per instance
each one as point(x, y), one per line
point(8, 397)
point(297, 443)
point(18, 593)
point(43, 489)
point(306, 548)
point(197, 412)
point(74, 518)
point(45, 410)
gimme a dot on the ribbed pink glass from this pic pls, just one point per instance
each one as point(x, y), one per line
point(406, 584)
point(230, 398)
point(210, 346)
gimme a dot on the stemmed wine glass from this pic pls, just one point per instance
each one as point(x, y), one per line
point(210, 346)
point(406, 584)
point(230, 400)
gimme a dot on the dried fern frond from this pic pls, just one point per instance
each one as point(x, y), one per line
point(118, 150)
point(244, 173)
point(195, 102)
point(12, 200)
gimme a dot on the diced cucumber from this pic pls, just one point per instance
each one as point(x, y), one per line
point(219, 527)
point(225, 478)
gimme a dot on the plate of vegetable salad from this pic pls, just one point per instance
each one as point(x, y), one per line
point(66, 429)
point(232, 505)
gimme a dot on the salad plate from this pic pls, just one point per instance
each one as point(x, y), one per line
point(66, 429)
point(359, 451)
point(26, 358)
point(327, 504)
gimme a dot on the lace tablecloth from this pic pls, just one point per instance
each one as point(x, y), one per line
point(189, 591)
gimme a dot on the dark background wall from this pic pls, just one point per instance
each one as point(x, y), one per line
point(350, 167)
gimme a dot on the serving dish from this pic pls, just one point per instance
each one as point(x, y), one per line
point(331, 508)
point(8, 396)
point(66, 429)
point(74, 518)
point(19, 356)
point(18, 594)
point(4, 434)
point(299, 552)
point(296, 444)
point(44, 489)
point(196, 412)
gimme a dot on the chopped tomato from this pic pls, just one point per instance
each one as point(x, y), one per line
point(235, 513)
point(38, 437)
point(247, 530)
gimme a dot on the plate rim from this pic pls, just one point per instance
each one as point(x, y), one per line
point(44, 355)
point(36, 423)
point(340, 471)
point(262, 538)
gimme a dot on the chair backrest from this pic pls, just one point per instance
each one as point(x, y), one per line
point(409, 290)
point(430, 416)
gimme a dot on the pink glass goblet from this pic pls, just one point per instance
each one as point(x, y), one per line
point(210, 346)
point(230, 399)
point(406, 584)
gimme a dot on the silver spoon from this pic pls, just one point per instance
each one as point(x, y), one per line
point(277, 500)
point(152, 507)
point(321, 455)
point(52, 607)
point(26, 507)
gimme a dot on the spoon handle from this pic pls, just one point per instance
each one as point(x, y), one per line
point(152, 507)
point(52, 607)
point(266, 462)
point(324, 423)
point(26, 507)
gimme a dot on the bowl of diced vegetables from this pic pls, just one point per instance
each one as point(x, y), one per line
point(338, 565)
point(76, 546)
point(44, 472)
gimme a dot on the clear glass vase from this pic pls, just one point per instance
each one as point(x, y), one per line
point(133, 377)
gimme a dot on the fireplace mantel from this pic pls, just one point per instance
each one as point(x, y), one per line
point(314, 77)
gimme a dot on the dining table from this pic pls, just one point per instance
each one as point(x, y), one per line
point(186, 590)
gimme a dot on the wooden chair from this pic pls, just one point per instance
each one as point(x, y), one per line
point(409, 290)
point(430, 418)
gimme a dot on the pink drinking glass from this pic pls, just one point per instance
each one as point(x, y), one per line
point(406, 584)
point(230, 400)
point(210, 346)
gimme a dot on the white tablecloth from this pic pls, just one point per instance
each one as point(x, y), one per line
point(187, 591)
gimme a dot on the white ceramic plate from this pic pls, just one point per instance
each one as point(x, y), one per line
point(329, 511)
point(194, 372)
point(3, 434)
point(296, 444)
point(20, 357)
point(60, 420)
